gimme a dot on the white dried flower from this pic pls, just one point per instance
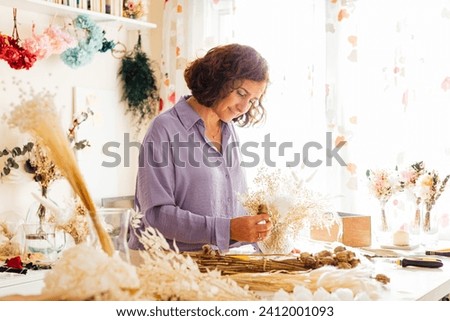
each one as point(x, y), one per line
point(84, 272)
point(291, 205)
point(168, 275)
point(135, 219)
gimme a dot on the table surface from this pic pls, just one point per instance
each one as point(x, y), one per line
point(406, 283)
point(416, 284)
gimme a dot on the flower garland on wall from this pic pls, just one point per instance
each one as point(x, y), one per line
point(54, 40)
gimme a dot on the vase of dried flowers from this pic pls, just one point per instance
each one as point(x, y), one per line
point(415, 226)
point(430, 188)
point(44, 211)
point(382, 185)
point(45, 173)
point(429, 228)
point(408, 180)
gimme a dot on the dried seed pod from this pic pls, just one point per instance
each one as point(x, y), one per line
point(327, 260)
point(324, 253)
point(310, 262)
point(354, 262)
point(305, 255)
point(341, 256)
point(350, 255)
point(344, 265)
point(382, 278)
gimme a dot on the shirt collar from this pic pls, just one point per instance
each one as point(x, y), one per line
point(187, 115)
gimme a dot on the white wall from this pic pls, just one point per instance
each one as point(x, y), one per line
point(99, 77)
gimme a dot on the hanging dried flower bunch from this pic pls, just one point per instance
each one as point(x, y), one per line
point(139, 87)
point(12, 52)
point(52, 41)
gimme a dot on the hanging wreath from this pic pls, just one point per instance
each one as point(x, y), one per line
point(139, 86)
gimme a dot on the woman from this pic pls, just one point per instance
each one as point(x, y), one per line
point(189, 177)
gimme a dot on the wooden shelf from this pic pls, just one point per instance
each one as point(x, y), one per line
point(52, 9)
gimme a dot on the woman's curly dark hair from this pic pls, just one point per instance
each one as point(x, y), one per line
point(222, 70)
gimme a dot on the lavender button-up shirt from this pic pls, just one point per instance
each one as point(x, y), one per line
point(185, 188)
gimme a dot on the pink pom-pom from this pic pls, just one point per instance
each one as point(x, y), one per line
point(60, 39)
point(39, 45)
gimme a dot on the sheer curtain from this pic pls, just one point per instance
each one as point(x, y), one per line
point(372, 73)
point(291, 36)
point(387, 73)
point(189, 29)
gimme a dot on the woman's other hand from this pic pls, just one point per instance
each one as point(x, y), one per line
point(251, 229)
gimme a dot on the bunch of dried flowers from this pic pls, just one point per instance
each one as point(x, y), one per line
point(430, 188)
point(167, 275)
point(408, 179)
point(383, 184)
point(292, 207)
point(133, 9)
point(37, 116)
point(45, 171)
point(77, 224)
point(8, 247)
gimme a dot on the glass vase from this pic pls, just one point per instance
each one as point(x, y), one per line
point(429, 228)
point(40, 213)
point(116, 222)
point(382, 229)
point(416, 223)
point(39, 242)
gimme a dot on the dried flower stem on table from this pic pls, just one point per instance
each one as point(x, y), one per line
point(328, 278)
point(169, 275)
point(38, 117)
point(256, 263)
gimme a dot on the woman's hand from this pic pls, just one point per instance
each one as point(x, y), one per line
point(251, 229)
